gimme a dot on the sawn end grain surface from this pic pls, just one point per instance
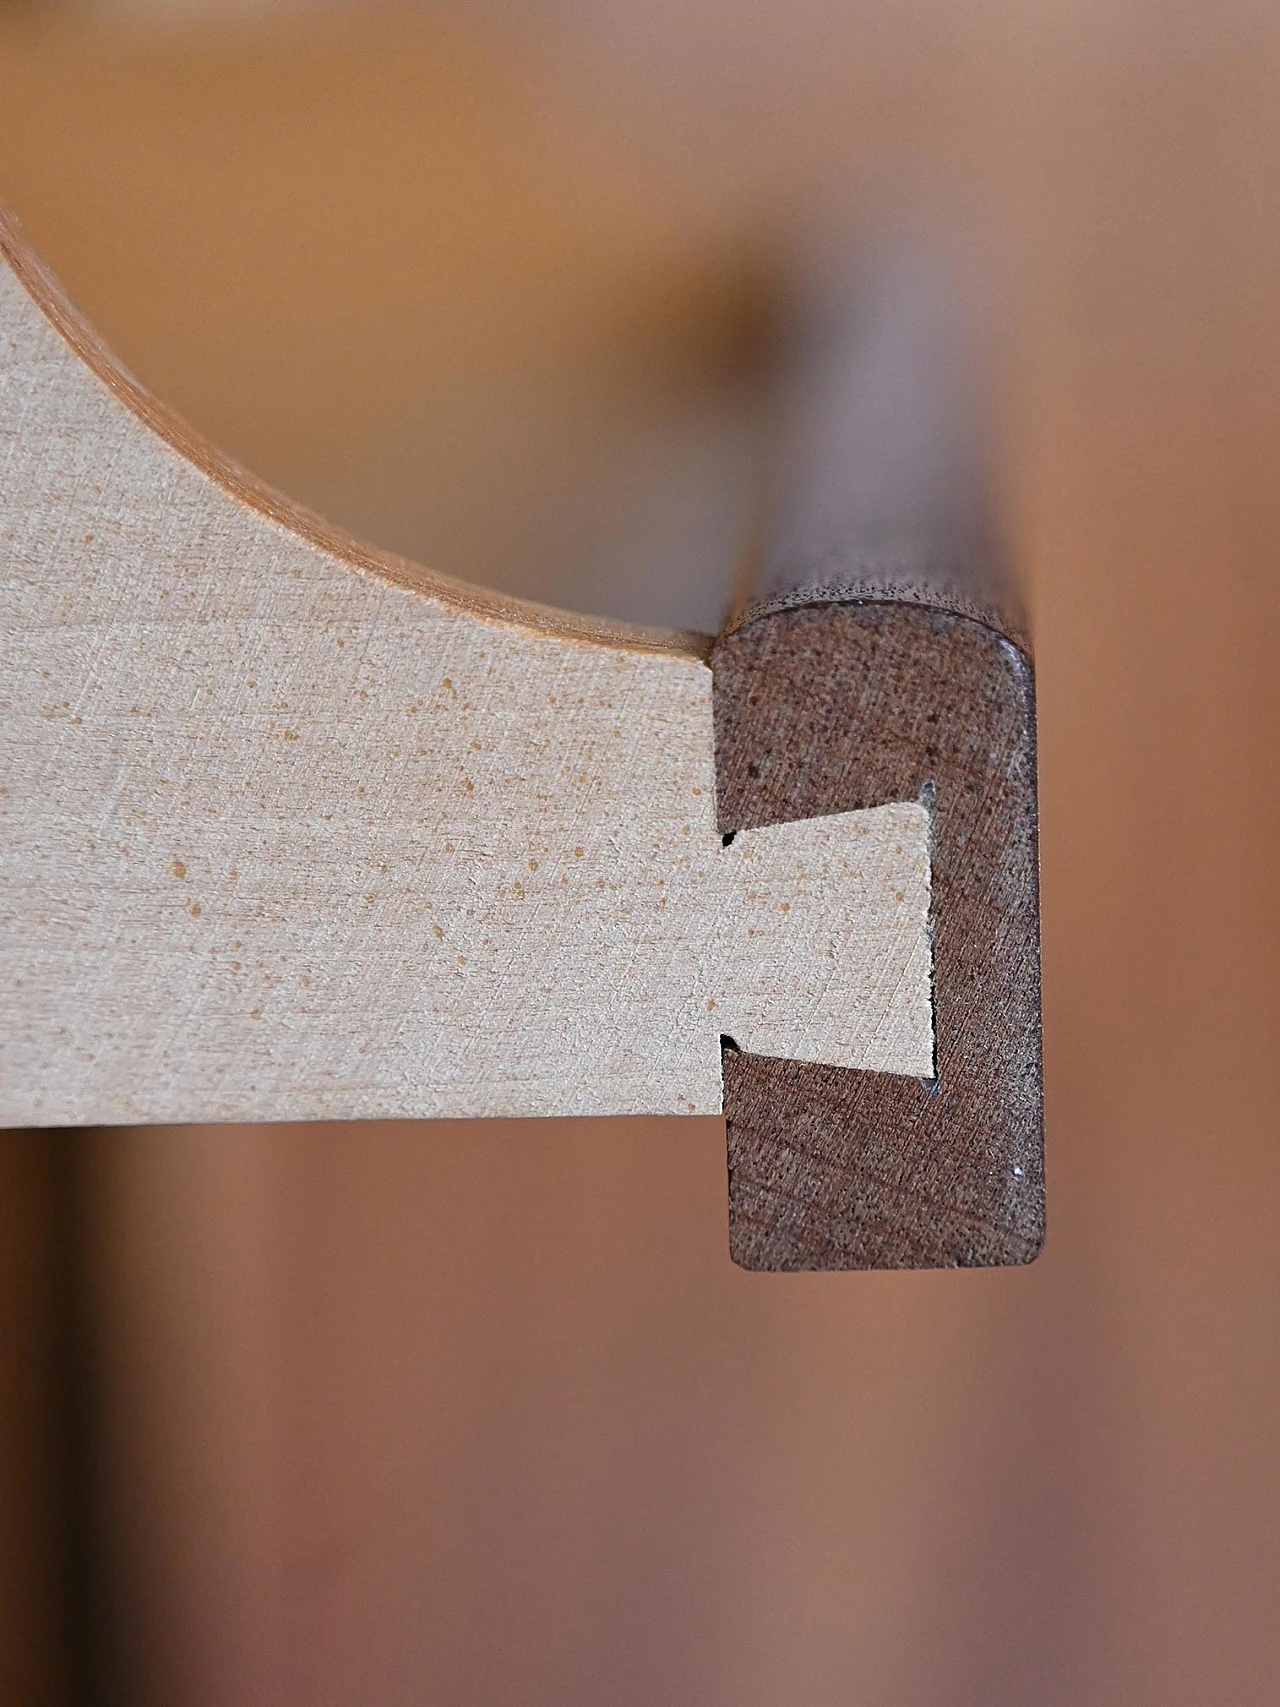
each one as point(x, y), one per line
point(829, 708)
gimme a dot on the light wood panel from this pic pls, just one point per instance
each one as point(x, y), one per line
point(296, 829)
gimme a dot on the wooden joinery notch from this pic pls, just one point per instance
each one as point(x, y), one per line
point(293, 829)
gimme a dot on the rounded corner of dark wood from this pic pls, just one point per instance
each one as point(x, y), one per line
point(835, 706)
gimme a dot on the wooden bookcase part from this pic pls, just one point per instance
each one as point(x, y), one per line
point(295, 829)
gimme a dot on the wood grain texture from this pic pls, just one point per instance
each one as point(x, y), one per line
point(885, 658)
point(832, 708)
point(295, 830)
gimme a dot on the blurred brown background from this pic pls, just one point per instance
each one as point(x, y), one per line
point(482, 1413)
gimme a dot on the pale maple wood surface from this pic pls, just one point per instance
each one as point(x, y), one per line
point(292, 832)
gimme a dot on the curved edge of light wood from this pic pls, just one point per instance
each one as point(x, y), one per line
point(293, 829)
point(356, 554)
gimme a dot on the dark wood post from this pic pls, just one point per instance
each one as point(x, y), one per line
point(884, 657)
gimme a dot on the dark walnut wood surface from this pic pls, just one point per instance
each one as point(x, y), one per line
point(832, 707)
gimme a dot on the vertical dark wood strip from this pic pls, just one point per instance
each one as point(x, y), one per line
point(884, 658)
point(832, 708)
point(85, 1634)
